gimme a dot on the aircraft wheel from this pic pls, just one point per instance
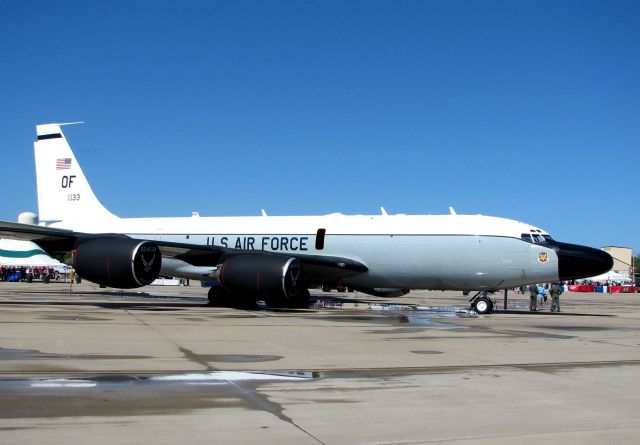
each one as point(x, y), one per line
point(218, 297)
point(483, 305)
point(243, 302)
point(298, 301)
point(301, 301)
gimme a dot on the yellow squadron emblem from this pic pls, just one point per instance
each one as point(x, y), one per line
point(543, 257)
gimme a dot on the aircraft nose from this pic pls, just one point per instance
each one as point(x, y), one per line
point(575, 261)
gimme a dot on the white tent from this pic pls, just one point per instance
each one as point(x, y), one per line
point(24, 253)
point(612, 276)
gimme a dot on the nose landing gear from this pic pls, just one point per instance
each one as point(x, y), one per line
point(481, 303)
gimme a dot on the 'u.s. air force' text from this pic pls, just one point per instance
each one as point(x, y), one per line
point(282, 243)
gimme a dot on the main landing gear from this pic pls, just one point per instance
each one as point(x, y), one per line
point(481, 303)
point(218, 297)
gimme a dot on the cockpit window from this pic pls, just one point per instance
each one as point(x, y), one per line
point(536, 238)
point(526, 237)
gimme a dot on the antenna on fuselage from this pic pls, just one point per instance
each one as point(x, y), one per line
point(452, 211)
point(383, 211)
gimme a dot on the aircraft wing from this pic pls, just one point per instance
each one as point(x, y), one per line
point(50, 239)
point(317, 268)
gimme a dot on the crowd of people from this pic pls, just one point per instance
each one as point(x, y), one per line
point(27, 273)
point(603, 283)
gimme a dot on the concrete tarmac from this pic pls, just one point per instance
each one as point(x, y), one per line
point(158, 366)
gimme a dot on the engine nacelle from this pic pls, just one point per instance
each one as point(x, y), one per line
point(118, 262)
point(262, 276)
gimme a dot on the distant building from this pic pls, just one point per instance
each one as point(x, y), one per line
point(622, 262)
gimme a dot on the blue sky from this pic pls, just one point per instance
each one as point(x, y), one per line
point(527, 110)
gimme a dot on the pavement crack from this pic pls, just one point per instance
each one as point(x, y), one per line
point(262, 402)
point(193, 357)
point(187, 353)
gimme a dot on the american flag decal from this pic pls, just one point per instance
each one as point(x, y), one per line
point(63, 163)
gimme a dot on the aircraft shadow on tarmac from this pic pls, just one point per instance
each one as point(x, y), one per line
point(166, 303)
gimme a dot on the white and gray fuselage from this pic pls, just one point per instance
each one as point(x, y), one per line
point(400, 251)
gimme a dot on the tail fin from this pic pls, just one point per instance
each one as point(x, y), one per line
point(64, 194)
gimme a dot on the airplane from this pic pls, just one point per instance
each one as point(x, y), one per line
point(277, 258)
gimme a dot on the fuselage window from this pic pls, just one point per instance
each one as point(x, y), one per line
point(320, 239)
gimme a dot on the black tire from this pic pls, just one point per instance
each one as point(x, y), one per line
point(301, 301)
point(483, 305)
point(218, 297)
point(243, 302)
point(298, 301)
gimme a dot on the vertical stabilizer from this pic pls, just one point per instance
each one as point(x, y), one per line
point(64, 194)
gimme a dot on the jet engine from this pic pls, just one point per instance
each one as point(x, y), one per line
point(117, 262)
point(266, 276)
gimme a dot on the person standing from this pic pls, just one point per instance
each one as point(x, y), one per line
point(533, 297)
point(555, 292)
point(541, 296)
